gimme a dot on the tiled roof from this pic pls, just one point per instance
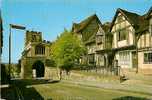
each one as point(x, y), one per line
point(106, 26)
point(91, 39)
point(148, 13)
point(144, 21)
point(137, 21)
point(80, 26)
point(143, 24)
point(133, 18)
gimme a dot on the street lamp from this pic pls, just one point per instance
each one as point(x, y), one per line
point(13, 27)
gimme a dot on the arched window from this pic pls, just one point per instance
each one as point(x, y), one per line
point(39, 50)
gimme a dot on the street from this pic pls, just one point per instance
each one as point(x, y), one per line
point(63, 90)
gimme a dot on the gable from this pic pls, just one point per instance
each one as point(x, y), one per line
point(87, 28)
point(100, 31)
point(90, 30)
point(77, 27)
point(120, 23)
point(132, 18)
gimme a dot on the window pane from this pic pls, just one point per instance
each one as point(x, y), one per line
point(145, 57)
point(148, 58)
point(39, 49)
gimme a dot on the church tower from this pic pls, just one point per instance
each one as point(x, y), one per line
point(33, 36)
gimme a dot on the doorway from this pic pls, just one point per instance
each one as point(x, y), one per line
point(134, 60)
point(38, 66)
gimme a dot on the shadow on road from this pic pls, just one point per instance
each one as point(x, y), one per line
point(130, 98)
point(27, 91)
point(34, 81)
point(8, 93)
point(30, 94)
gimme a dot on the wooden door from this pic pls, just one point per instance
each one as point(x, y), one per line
point(134, 60)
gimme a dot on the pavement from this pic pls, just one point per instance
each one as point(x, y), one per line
point(137, 83)
point(143, 89)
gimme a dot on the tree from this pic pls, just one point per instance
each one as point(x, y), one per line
point(66, 50)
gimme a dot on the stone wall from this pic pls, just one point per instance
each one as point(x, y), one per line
point(52, 73)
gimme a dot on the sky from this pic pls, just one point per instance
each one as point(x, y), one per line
point(51, 17)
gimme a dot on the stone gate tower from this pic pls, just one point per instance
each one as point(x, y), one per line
point(35, 55)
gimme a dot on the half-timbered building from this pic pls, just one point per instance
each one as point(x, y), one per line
point(132, 41)
point(86, 30)
point(123, 28)
point(144, 43)
point(103, 46)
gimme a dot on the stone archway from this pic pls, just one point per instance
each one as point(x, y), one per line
point(39, 68)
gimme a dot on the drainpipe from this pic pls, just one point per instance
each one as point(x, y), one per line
point(136, 42)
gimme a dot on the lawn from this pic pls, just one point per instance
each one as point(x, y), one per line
point(67, 91)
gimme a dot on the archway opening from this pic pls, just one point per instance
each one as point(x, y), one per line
point(38, 68)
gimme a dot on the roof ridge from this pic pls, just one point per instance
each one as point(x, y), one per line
point(85, 22)
point(123, 10)
point(136, 19)
point(146, 15)
point(87, 18)
point(132, 17)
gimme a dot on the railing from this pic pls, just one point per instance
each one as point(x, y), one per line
point(111, 70)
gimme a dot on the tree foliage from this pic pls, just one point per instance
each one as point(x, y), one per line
point(66, 50)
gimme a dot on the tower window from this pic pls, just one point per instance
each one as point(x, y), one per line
point(33, 38)
point(40, 50)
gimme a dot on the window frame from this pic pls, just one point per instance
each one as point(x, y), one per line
point(124, 58)
point(147, 59)
point(100, 39)
point(39, 50)
point(122, 35)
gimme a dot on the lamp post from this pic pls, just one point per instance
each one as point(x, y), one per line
point(13, 27)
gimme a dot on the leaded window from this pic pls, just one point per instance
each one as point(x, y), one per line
point(122, 35)
point(40, 50)
point(91, 58)
point(124, 58)
point(148, 58)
